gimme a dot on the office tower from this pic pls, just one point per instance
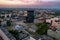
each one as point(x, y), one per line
point(30, 16)
point(0, 22)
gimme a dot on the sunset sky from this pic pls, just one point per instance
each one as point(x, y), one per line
point(29, 3)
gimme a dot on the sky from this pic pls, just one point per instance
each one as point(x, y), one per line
point(29, 3)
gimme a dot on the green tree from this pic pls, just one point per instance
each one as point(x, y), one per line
point(8, 23)
point(15, 33)
point(42, 28)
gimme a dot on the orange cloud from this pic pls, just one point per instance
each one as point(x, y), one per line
point(17, 2)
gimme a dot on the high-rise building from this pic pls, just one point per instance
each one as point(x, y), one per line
point(0, 22)
point(30, 16)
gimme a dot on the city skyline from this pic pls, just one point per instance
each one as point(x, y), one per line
point(29, 3)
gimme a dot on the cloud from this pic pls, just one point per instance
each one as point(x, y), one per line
point(28, 3)
point(49, 0)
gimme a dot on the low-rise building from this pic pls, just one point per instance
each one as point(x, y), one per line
point(5, 34)
point(23, 35)
point(33, 28)
point(54, 34)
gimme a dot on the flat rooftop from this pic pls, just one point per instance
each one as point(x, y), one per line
point(7, 33)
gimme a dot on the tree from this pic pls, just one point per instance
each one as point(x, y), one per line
point(42, 28)
point(8, 23)
point(15, 33)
